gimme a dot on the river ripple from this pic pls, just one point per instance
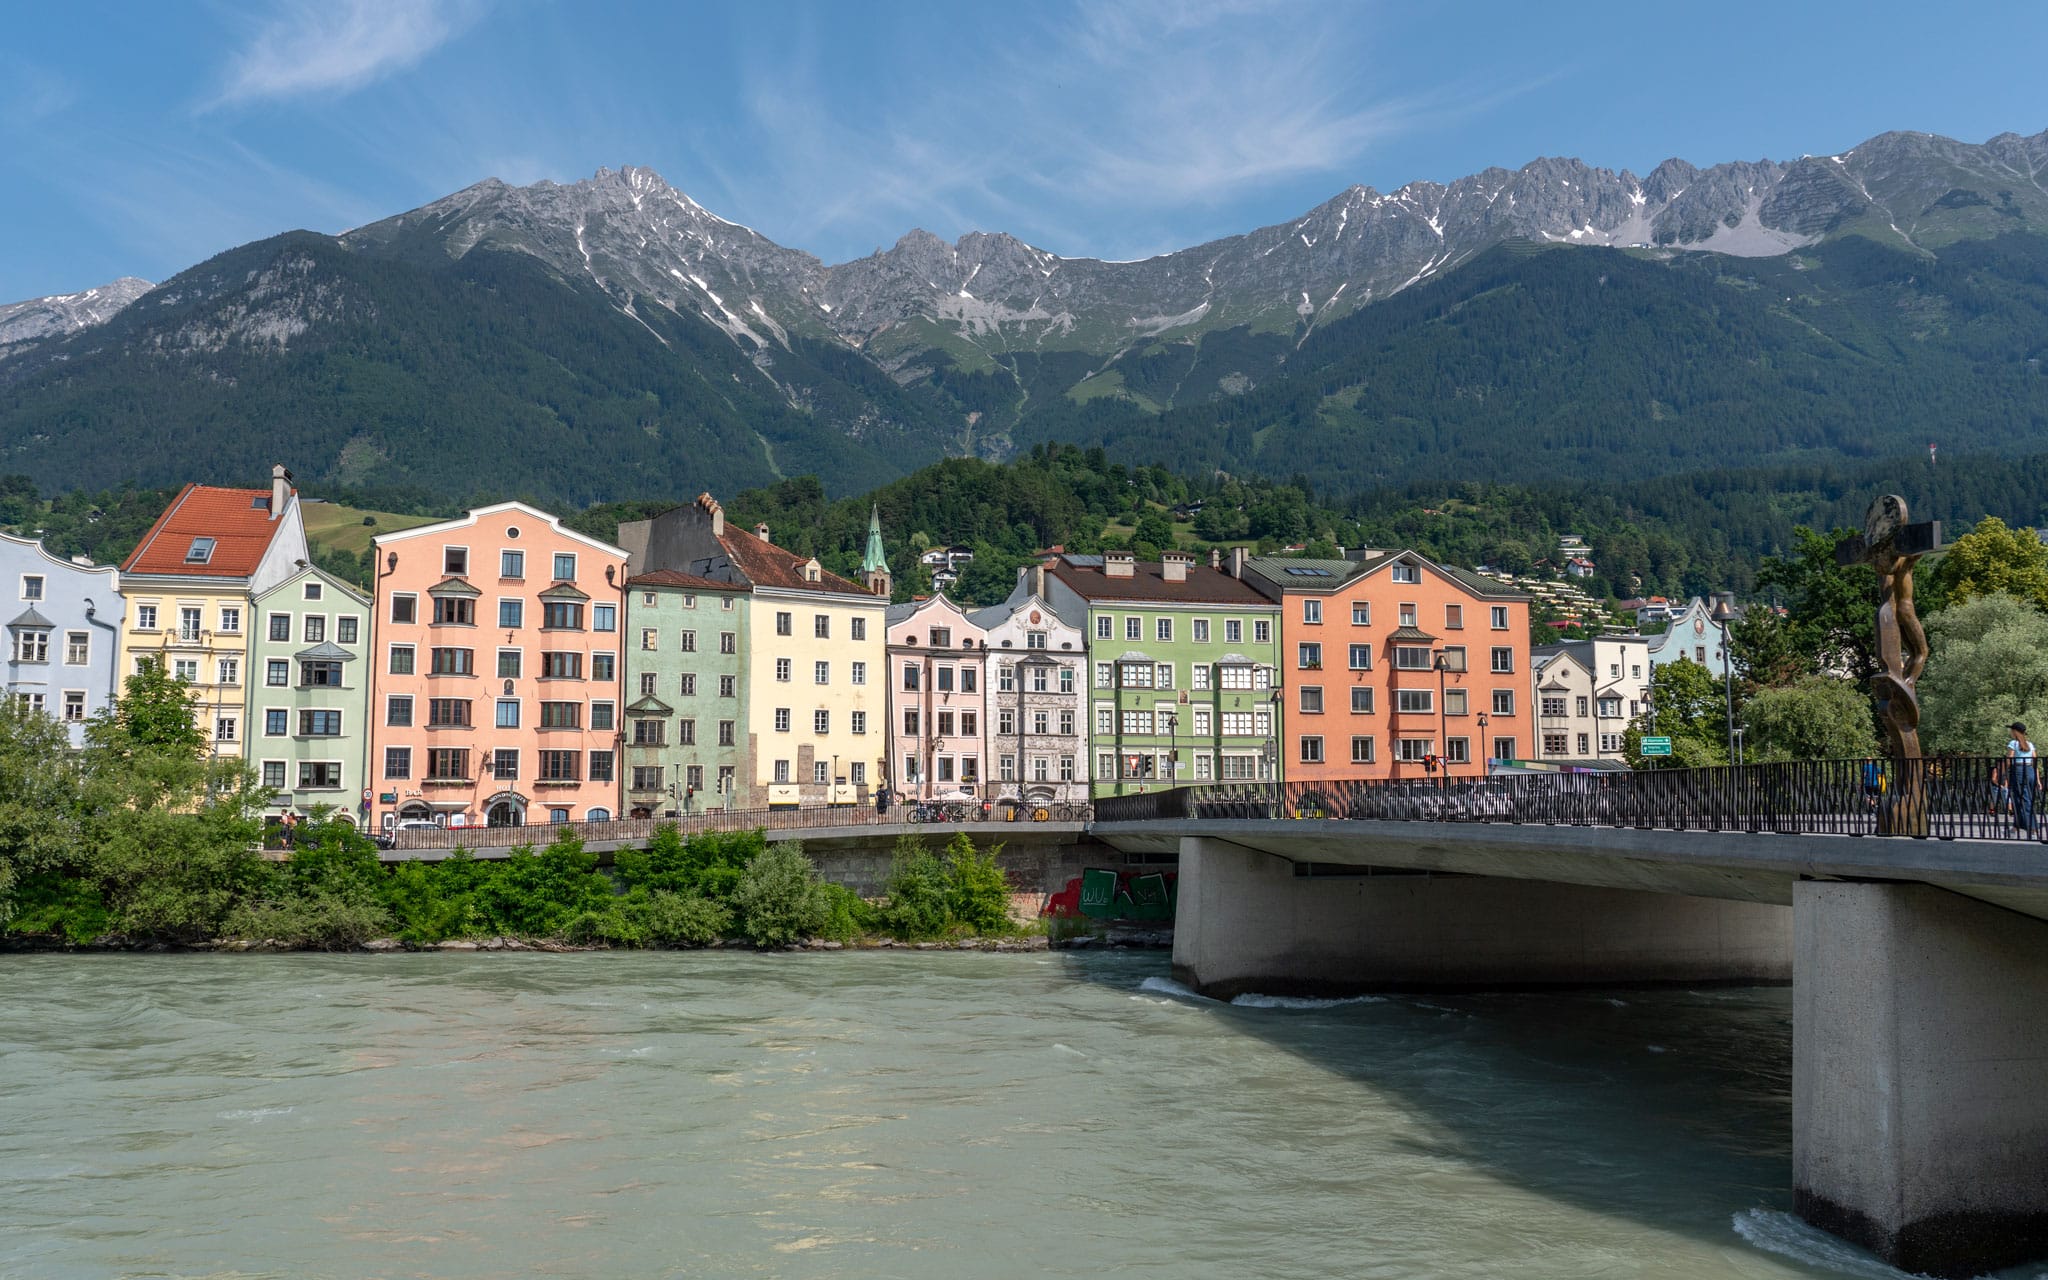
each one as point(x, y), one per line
point(935, 1114)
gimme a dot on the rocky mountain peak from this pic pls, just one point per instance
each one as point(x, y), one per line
point(37, 319)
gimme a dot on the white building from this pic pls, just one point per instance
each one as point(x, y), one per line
point(1587, 692)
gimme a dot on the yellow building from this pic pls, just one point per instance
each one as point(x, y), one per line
point(190, 587)
point(814, 698)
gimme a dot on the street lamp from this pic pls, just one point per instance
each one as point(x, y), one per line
point(1173, 749)
point(1722, 614)
point(1443, 722)
point(1484, 745)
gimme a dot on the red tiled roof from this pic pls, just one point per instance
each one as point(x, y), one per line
point(239, 524)
point(767, 565)
point(675, 578)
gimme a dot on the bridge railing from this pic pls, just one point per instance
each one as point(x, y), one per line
point(1946, 797)
point(780, 818)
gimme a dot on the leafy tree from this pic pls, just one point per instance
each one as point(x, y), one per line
point(154, 711)
point(1761, 649)
point(39, 797)
point(978, 894)
point(918, 893)
point(1991, 558)
point(780, 900)
point(1688, 706)
point(1813, 718)
point(1833, 626)
point(1987, 667)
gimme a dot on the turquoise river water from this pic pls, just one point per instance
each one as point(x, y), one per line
point(876, 1114)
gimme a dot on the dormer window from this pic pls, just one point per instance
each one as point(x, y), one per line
point(1404, 572)
point(200, 552)
point(811, 571)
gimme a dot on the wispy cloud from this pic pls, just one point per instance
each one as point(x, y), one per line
point(334, 46)
point(30, 94)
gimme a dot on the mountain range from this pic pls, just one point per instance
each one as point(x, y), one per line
point(613, 338)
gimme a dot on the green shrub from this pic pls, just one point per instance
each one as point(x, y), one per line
point(918, 891)
point(708, 865)
point(848, 915)
point(55, 904)
point(677, 920)
point(322, 920)
point(978, 894)
point(536, 895)
point(609, 927)
point(779, 900)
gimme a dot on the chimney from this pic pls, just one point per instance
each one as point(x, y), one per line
point(761, 532)
point(280, 489)
point(709, 505)
point(1237, 559)
point(1216, 558)
point(1174, 565)
point(1038, 580)
point(1119, 564)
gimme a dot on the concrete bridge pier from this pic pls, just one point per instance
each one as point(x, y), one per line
point(1920, 1075)
point(1248, 921)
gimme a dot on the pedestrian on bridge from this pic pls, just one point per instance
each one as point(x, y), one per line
point(2019, 752)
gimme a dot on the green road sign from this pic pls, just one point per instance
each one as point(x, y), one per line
point(1656, 746)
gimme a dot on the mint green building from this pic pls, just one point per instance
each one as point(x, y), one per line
point(309, 694)
point(685, 730)
point(1183, 669)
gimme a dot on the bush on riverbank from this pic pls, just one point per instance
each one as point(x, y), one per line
point(959, 894)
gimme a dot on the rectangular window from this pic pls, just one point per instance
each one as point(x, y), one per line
point(74, 705)
point(319, 775)
point(820, 772)
point(1105, 720)
point(1233, 631)
point(1458, 750)
point(398, 762)
point(311, 591)
point(1361, 700)
point(1311, 750)
point(858, 722)
point(405, 608)
point(454, 561)
point(1405, 572)
point(1235, 675)
point(1414, 750)
point(1454, 702)
point(273, 774)
point(320, 675)
point(504, 764)
point(1134, 628)
point(31, 587)
point(454, 662)
point(560, 766)
point(647, 640)
point(821, 627)
point(1103, 627)
point(1504, 748)
point(603, 617)
point(944, 727)
point(1499, 614)
point(601, 766)
point(650, 733)
point(1198, 676)
point(231, 617)
point(277, 722)
point(1555, 705)
point(1453, 656)
point(781, 774)
point(281, 627)
point(1406, 614)
point(782, 667)
point(447, 713)
point(1309, 656)
point(556, 665)
point(565, 566)
point(345, 630)
point(228, 670)
point(1556, 744)
point(857, 629)
point(398, 710)
point(1361, 613)
point(1006, 721)
point(650, 640)
point(782, 719)
point(1105, 675)
point(1361, 750)
point(1312, 612)
point(511, 564)
point(401, 659)
point(1503, 660)
point(693, 777)
point(1162, 630)
point(858, 672)
point(1137, 722)
point(186, 669)
point(448, 764)
point(511, 613)
point(686, 729)
point(77, 648)
point(1503, 702)
point(1415, 701)
point(1412, 657)
point(1584, 740)
point(561, 615)
point(1361, 657)
point(316, 629)
point(821, 722)
point(507, 713)
point(1610, 743)
point(604, 667)
point(728, 686)
point(319, 724)
point(510, 663)
point(686, 684)
point(646, 777)
point(1262, 631)
point(1201, 631)
point(454, 611)
point(561, 715)
point(1454, 617)
point(785, 624)
point(1136, 675)
point(726, 730)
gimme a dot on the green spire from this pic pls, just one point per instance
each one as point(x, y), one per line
point(875, 558)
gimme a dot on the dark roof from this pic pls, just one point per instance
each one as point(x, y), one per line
point(1084, 577)
point(237, 520)
point(325, 651)
point(1301, 573)
point(1411, 635)
point(31, 620)
point(672, 578)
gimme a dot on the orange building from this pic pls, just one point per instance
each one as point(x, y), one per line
point(1394, 666)
point(496, 672)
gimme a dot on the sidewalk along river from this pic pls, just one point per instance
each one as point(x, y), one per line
point(919, 1115)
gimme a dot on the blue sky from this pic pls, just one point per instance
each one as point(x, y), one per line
point(140, 139)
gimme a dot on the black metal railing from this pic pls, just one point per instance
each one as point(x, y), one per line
point(1945, 797)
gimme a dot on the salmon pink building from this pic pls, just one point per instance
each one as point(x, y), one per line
point(1394, 666)
point(496, 672)
point(938, 710)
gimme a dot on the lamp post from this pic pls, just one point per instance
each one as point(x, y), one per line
point(1443, 722)
point(1485, 747)
point(1173, 749)
point(1723, 613)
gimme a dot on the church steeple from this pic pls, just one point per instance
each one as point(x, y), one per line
point(874, 563)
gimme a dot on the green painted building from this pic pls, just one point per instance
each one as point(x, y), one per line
point(1183, 669)
point(309, 694)
point(685, 729)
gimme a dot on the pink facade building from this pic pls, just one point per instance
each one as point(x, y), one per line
point(495, 695)
point(938, 710)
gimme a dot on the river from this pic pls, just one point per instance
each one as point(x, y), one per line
point(877, 1114)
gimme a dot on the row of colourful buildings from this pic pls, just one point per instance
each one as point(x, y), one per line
point(505, 669)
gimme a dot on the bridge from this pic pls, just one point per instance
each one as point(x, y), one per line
point(1918, 962)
